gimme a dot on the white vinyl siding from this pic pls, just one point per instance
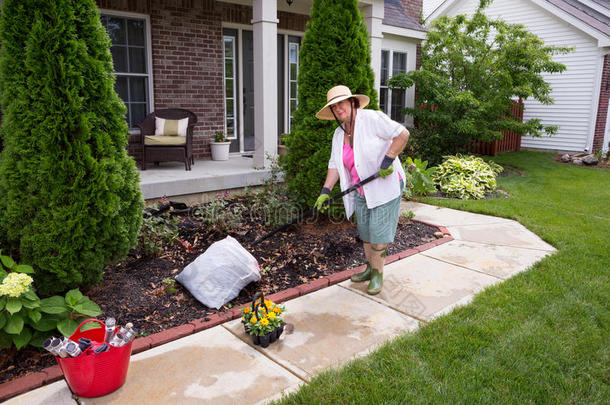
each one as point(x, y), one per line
point(575, 91)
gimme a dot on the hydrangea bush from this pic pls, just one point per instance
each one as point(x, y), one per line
point(27, 319)
point(466, 177)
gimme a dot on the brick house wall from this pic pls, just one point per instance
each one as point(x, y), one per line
point(602, 109)
point(186, 42)
point(414, 8)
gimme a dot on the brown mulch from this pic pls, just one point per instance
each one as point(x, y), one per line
point(135, 290)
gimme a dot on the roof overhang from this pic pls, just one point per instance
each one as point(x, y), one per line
point(402, 32)
point(603, 40)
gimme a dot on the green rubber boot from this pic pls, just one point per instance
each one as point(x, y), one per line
point(360, 277)
point(376, 282)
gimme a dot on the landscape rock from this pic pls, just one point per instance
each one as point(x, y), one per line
point(590, 160)
point(438, 235)
point(566, 158)
point(577, 162)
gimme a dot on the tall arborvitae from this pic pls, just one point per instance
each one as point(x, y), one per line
point(335, 50)
point(69, 195)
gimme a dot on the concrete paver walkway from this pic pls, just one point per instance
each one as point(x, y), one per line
point(331, 326)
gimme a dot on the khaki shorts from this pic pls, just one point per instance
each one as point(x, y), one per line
point(378, 225)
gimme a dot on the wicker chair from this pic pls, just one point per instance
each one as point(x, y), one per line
point(167, 153)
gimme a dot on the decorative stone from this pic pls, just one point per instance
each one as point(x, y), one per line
point(566, 158)
point(577, 162)
point(438, 235)
point(590, 160)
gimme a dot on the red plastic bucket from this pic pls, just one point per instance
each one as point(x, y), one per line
point(93, 375)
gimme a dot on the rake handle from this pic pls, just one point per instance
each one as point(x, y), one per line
point(312, 210)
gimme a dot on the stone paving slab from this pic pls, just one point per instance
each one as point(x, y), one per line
point(509, 233)
point(331, 326)
point(57, 393)
point(425, 288)
point(212, 366)
point(497, 261)
point(447, 216)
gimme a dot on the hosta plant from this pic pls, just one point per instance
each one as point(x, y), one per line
point(466, 177)
point(25, 318)
point(419, 178)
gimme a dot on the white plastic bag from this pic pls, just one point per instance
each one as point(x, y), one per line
point(218, 274)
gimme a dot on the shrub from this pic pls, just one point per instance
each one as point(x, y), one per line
point(419, 178)
point(25, 318)
point(335, 51)
point(466, 176)
point(69, 196)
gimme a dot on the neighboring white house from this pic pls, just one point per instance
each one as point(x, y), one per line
point(581, 92)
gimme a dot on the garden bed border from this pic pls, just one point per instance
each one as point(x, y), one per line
point(52, 374)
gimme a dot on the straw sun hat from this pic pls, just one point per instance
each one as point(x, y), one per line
point(337, 94)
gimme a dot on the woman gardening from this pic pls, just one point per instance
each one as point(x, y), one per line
point(365, 142)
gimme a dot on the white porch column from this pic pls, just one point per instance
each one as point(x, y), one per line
point(265, 80)
point(373, 17)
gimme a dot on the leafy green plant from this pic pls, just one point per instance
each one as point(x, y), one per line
point(466, 177)
point(156, 232)
point(25, 318)
point(219, 136)
point(221, 215)
point(170, 285)
point(419, 178)
point(65, 313)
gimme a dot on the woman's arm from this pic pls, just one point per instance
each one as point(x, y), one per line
point(398, 144)
point(331, 179)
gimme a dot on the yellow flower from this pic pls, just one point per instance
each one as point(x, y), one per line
point(264, 322)
point(271, 315)
point(277, 310)
point(246, 310)
point(253, 320)
point(15, 284)
point(269, 303)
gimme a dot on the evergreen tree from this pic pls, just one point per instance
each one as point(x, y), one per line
point(69, 194)
point(335, 51)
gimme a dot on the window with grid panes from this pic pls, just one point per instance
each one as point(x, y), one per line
point(130, 58)
point(392, 101)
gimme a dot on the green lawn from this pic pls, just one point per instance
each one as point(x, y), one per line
point(542, 336)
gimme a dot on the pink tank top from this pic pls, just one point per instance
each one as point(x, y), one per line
point(348, 162)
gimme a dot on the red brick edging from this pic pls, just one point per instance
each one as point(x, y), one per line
point(51, 374)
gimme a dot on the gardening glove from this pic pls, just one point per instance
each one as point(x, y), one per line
point(324, 196)
point(386, 166)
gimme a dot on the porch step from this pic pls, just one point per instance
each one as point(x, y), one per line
point(206, 176)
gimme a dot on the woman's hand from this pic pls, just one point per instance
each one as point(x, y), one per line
point(324, 196)
point(386, 166)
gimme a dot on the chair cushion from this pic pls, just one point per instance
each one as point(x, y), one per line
point(163, 140)
point(171, 127)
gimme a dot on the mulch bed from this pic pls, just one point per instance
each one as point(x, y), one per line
point(135, 290)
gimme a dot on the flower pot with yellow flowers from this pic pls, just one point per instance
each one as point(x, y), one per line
point(263, 320)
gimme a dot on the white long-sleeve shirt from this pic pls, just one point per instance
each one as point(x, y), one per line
point(373, 135)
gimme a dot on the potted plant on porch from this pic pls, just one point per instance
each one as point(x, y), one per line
point(281, 147)
point(220, 146)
